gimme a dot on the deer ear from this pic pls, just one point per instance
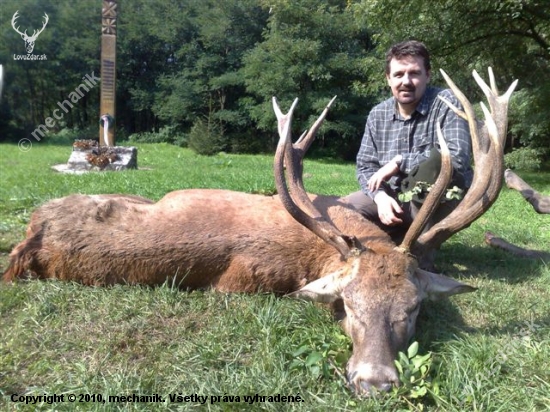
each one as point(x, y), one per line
point(434, 286)
point(326, 289)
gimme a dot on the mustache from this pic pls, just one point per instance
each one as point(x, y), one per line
point(407, 89)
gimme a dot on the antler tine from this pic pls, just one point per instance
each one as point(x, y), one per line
point(467, 113)
point(295, 167)
point(434, 197)
point(492, 81)
point(317, 224)
point(46, 20)
point(13, 19)
point(487, 145)
point(305, 140)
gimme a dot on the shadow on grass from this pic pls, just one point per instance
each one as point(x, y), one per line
point(488, 263)
point(531, 327)
point(439, 322)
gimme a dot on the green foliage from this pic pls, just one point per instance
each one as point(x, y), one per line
point(324, 360)
point(529, 123)
point(524, 158)
point(179, 61)
point(414, 374)
point(33, 88)
point(298, 59)
point(167, 134)
point(421, 190)
point(206, 138)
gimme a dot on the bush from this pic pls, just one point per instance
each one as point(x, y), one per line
point(206, 138)
point(167, 134)
point(252, 142)
point(524, 158)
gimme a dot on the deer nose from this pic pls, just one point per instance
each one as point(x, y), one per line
point(368, 379)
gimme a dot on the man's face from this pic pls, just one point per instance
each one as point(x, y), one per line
point(408, 79)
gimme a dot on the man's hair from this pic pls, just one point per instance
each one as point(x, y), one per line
point(405, 49)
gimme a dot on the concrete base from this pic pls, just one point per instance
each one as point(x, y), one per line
point(88, 156)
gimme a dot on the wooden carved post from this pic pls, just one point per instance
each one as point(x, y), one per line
point(108, 71)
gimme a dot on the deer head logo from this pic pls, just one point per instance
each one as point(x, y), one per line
point(29, 40)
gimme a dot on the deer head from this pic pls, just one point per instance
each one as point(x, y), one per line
point(381, 291)
point(29, 40)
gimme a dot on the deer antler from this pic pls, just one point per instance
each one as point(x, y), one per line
point(304, 212)
point(35, 32)
point(431, 202)
point(14, 18)
point(487, 145)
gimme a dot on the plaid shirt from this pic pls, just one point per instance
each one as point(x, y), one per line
point(388, 134)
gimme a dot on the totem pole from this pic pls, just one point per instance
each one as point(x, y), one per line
point(108, 73)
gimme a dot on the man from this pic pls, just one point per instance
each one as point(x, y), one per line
point(400, 138)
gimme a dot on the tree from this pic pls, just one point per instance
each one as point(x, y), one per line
point(203, 85)
point(33, 88)
point(311, 50)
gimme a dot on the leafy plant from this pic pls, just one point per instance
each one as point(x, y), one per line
point(414, 374)
point(423, 188)
point(322, 360)
point(524, 158)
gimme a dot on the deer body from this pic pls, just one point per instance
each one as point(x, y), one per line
point(228, 240)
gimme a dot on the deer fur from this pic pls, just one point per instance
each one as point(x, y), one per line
point(230, 241)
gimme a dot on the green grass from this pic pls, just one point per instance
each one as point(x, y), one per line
point(490, 348)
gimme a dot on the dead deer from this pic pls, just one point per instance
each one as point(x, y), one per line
point(298, 244)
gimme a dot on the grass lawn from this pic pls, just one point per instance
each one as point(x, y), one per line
point(490, 349)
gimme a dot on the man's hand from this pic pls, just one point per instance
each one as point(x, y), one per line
point(388, 209)
point(383, 174)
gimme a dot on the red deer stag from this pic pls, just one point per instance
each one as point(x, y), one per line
point(308, 246)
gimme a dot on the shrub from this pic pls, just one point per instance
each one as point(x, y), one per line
point(166, 134)
point(524, 158)
point(206, 138)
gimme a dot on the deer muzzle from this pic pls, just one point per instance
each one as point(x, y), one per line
point(366, 379)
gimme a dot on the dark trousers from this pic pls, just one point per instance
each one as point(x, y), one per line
point(366, 206)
